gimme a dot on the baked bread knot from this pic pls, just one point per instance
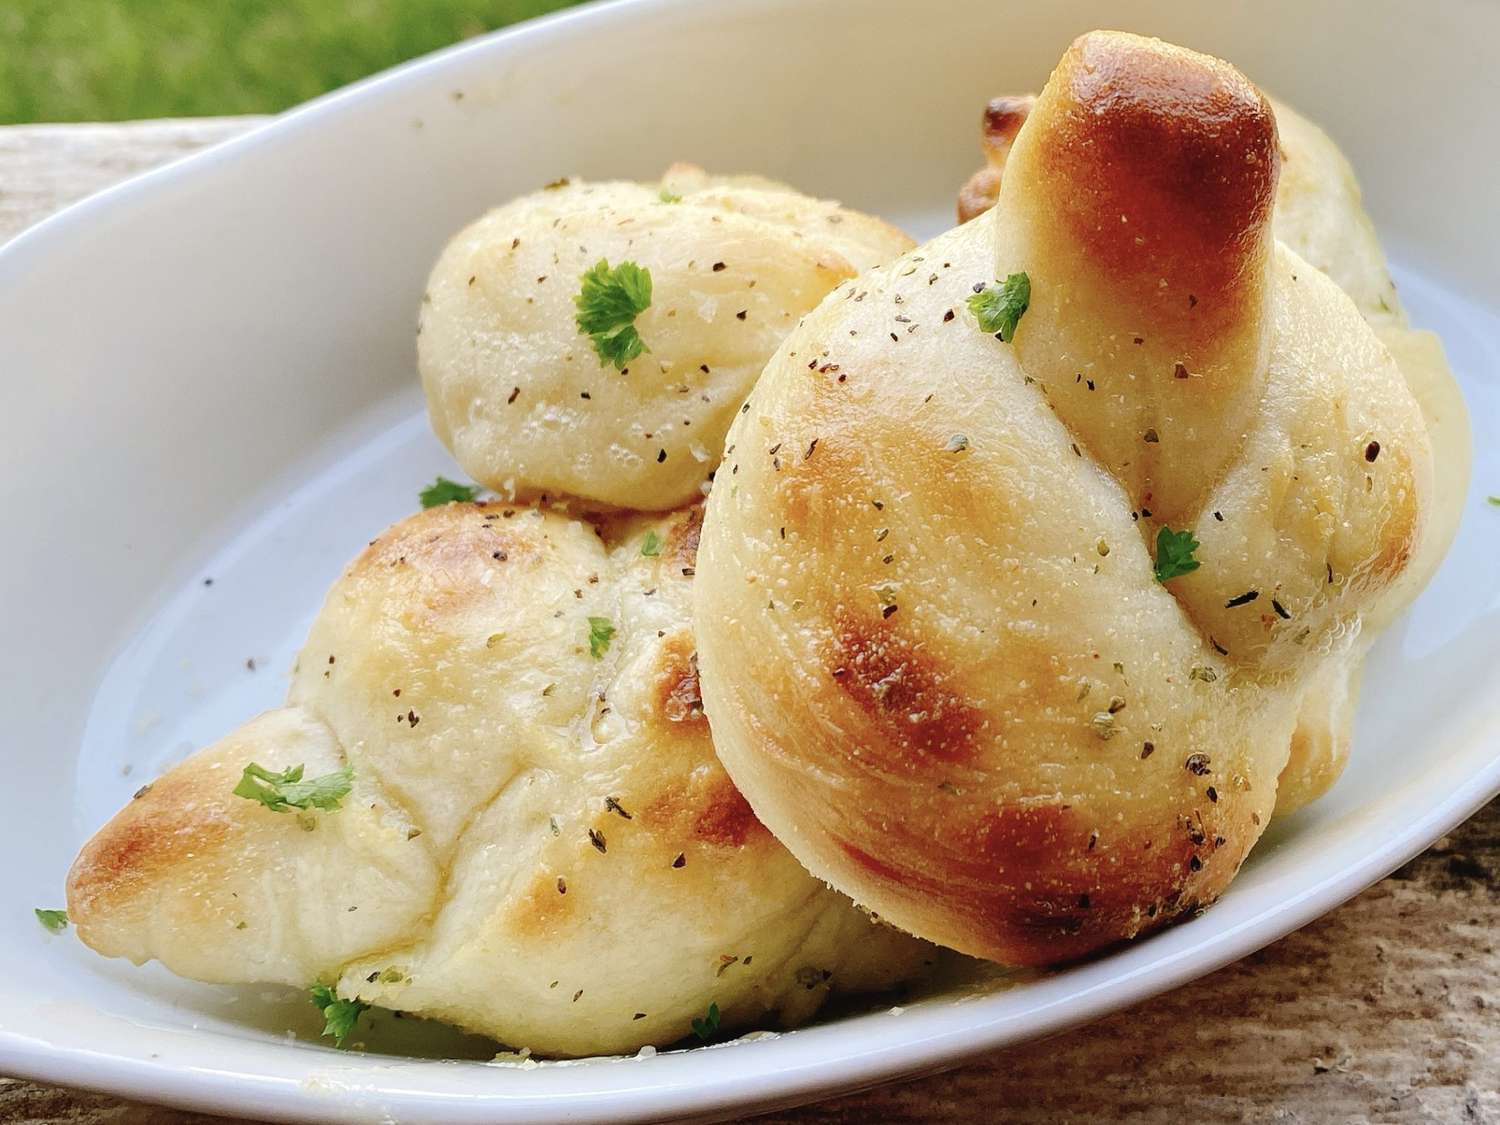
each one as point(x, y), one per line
point(1006, 637)
point(517, 390)
point(537, 842)
point(1319, 213)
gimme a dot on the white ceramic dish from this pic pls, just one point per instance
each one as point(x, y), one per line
point(208, 374)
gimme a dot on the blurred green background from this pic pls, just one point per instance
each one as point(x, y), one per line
point(111, 60)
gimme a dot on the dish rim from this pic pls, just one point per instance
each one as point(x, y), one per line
point(290, 1097)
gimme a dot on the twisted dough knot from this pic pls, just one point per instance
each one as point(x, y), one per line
point(539, 845)
point(934, 651)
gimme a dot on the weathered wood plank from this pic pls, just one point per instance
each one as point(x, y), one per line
point(43, 168)
point(1388, 1009)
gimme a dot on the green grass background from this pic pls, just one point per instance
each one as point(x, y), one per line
point(112, 60)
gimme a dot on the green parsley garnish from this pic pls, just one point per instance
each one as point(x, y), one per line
point(707, 1027)
point(651, 545)
point(608, 304)
point(601, 632)
point(1174, 553)
point(55, 920)
point(339, 1016)
point(286, 790)
point(999, 310)
point(445, 491)
point(670, 196)
point(1494, 501)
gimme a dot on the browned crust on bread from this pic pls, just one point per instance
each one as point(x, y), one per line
point(1169, 159)
point(1138, 198)
point(170, 820)
point(979, 193)
point(682, 540)
point(904, 691)
point(1044, 882)
point(725, 819)
point(678, 698)
point(1002, 121)
point(705, 809)
point(1003, 118)
point(921, 739)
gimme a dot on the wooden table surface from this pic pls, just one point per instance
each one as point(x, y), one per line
point(1385, 1010)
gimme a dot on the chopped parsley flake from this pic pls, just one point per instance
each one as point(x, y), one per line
point(1494, 501)
point(1174, 554)
point(669, 196)
point(339, 1016)
point(651, 545)
point(998, 308)
point(608, 304)
point(707, 1027)
point(445, 491)
point(55, 920)
point(286, 790)
point(601, 632)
